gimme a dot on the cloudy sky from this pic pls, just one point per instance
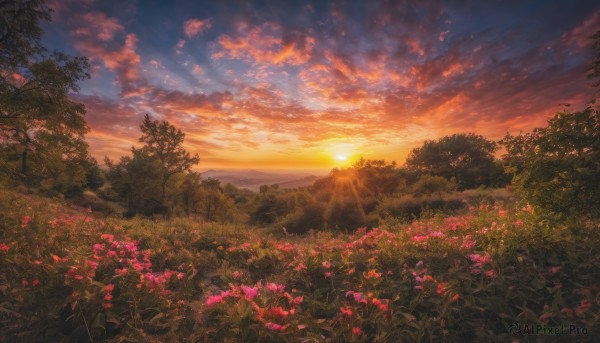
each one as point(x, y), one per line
point(305, 85)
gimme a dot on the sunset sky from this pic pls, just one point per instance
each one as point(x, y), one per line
point(315, 85)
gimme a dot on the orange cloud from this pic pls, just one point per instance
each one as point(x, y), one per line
point(193, 27)
point(267, 43)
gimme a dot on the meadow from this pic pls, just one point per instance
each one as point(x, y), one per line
point(496, 272)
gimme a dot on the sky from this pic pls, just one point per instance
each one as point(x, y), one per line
point(313, 85)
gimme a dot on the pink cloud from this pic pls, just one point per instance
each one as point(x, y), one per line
point(193, 27)
point(99, 43)
point(580, 35)
point(104, 27)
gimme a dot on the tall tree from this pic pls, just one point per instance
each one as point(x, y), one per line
point(165, 143)
point(557, 167)
point(468, 159)
point(34, 83)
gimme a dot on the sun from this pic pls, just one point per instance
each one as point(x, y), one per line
point(341, 158)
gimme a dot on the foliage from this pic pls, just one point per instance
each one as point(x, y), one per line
point(558, 167)
point(68, 275)
point(468, 159)
point(431, 184)
point(135, 179)
point(35, 109)
point(407, 207)
point(206, 198)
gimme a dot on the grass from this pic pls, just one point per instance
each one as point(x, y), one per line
point(71, 275)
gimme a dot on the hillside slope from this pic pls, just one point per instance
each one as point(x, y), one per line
point(69, 276)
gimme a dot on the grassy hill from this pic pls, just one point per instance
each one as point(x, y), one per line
point(493, 274)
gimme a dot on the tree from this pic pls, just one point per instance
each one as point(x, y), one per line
point(377, 176)
point(557, 167)
point(60, 163)
point(468, 159)
point(35, 84)
point(145, 179)
point(135, 179)
point(165, 143)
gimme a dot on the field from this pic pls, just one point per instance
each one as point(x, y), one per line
point(498, 272)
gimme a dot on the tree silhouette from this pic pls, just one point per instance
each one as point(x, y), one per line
point(468, 159)
point(165, 143)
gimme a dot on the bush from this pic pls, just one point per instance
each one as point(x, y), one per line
point(309, 217)
point(408, 207)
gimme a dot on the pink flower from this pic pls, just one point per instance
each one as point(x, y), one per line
point(358, 297)
point(419, 264)
point(97, 248)
point(373, 274)
point(346, 311)
point(437, 234)
point(567, 311)
point(519, 222)
point(356, 331)
point(490, 273)
point(382, 307)
point(109, 288)
point(214, 299)
point(107, 237)
point(276, 327)
point(301, 266)
point(441, 289)
point(554, 269)
point(236, 275)
point(273, 287)
point(326, 264)
point(4, 247)
point(25, 221)
point(480, 260)
point(121, 272)
point(35, 282)
point(296, 301)
point(250, 292)
point(279, 312)
point(455, 297)
point(108, 297)
point(328, 274)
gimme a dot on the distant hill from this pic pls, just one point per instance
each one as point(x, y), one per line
point(253, 179)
